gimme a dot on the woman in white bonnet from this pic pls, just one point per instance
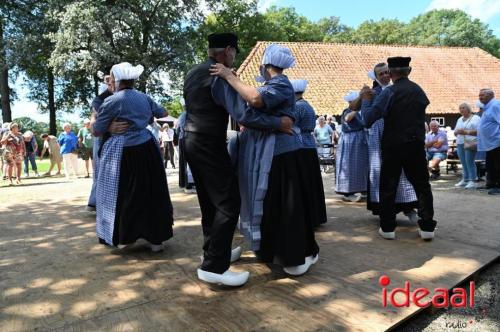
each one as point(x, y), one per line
point(133, 201)
point(352, 152)
point(285, 232)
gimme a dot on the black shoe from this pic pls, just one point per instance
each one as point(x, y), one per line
point(494, 191)
point(90, 208)
point(435, 176)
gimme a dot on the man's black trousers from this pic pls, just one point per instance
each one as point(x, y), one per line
point(411, 158)
point(218, 195)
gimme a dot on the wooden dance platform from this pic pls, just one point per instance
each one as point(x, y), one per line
point(55, 276)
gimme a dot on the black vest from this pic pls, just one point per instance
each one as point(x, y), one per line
point(203, 115)
point(405, 119)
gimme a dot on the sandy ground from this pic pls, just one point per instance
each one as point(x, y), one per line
point(54, 275)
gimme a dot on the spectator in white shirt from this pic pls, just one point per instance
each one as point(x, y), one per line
point(167, 137)
point(466, 133)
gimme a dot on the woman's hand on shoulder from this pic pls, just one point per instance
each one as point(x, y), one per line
point(220, 70)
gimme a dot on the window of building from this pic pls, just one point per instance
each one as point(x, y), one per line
point(440, 120)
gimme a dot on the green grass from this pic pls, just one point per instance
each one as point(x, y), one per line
point(43, 166)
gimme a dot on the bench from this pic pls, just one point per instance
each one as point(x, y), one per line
point(452, 165)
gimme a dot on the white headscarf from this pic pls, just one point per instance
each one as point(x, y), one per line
point(371, 75)
point(102, 87)
point(278, 56)
point(125, 71)
point(352, 95)
point(299, 85)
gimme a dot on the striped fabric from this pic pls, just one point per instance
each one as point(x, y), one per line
point(352, 163)
point(107, 187)
point(405, 192)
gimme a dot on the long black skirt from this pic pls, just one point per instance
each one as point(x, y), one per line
point(143, 208)
point(182, 165)
point(287, 232)
point(315, 193)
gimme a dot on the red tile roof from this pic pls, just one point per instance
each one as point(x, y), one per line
point(449, 75)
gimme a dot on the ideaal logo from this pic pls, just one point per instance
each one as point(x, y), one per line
point(440, 298)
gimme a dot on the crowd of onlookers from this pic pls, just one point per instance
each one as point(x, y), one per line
point(461, 144)
point(441, 144)
point(16, 147)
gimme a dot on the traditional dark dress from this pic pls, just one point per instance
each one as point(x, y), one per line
point(275, 214)
point(132, 193)
point(305, 119)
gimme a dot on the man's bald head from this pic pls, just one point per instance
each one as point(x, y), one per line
point(485, 95)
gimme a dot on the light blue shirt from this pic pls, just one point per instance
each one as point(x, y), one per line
point(488, 132)
point(132, 106)
point(441, 136)
point(323, 135)
point(68, 142)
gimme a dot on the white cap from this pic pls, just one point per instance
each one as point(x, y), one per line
point(28, 134)
point(299, 85)
point(371, 75)
point(102, 87)
point(352, 95)
point(86, 121)
point(125, 71)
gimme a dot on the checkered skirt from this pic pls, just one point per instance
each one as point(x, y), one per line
point(351, 163)
point(107, 187)
point(405, 192)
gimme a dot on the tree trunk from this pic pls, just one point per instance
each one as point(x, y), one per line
point(4, 79)
point(52, 106)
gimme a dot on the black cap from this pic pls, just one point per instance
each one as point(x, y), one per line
point(223, 40)
point(399, 62)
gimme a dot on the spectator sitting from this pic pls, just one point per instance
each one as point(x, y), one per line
point(436, 143)
point(324, 135)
